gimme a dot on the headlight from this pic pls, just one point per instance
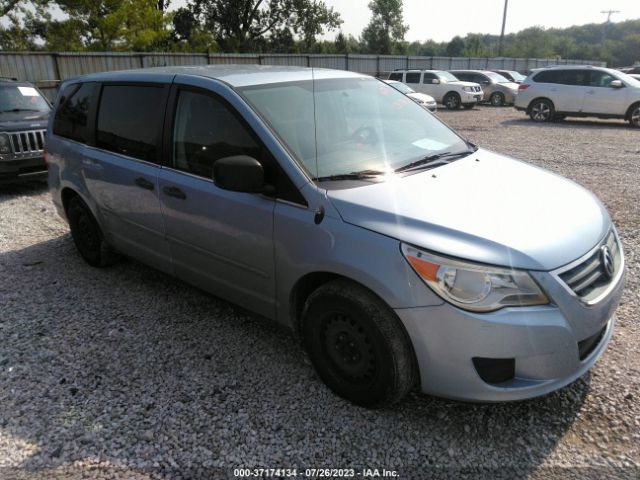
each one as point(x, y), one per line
point(474, 287)
point(467, 89)
point(5, 146)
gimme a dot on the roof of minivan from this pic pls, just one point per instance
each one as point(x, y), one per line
point(235, 75)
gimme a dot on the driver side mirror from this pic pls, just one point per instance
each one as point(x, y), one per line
point(435, 81)
point(616, 84)
point(239, 173)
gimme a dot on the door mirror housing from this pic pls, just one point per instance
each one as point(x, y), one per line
point(239, 173)
point(435, 81)
point(616, 84)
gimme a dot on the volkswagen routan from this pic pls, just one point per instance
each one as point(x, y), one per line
point(400, 253)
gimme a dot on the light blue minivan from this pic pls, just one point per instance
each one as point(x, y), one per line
point(401, 253)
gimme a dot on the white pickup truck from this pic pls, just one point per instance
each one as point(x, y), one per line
point(441, 85)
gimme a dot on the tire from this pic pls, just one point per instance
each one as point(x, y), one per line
point(468, 106)
point(87, 235)
point(497, 99)
point(634, 115)
point(452, 101)
point(357, 345)
point(541, 110)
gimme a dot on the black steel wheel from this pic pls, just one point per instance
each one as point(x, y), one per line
point(87, 235)
point(358, 345)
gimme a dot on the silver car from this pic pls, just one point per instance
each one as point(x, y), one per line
point(497, 89)
point(399, 252)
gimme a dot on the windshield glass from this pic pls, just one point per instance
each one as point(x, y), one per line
point(447, 77)
point(496, 77)
point(401, 87)
point(354, 125)
point(18, 97)
point(632, 81)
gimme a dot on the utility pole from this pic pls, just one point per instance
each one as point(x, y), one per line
point(504, 22)
point(608, 13)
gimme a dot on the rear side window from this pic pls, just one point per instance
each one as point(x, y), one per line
point(548, 76)
point(130, 119)
point(72, 114)
point(465, 77)
point(413, 77)
point(396, 76)
point(204, 131)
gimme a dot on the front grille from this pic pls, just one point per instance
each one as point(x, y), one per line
point(476, 89)
point(589, 278)
point(27, 143)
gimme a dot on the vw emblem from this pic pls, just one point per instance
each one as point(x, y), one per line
point(607, 261)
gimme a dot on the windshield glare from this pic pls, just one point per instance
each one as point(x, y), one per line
point(21, 98)
point(447, 77)
point(359, 124)
point(401, 87)
point(496, 77)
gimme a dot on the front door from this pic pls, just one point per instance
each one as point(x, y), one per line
point(220, 240)
point(602, 98)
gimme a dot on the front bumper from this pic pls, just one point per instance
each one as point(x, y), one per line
point(547, 348)
point(471, 97)
point(22, 169)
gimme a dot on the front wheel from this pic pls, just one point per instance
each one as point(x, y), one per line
point(541, 111)
point(497, 99)
point(634, 115)
point(452, 101)
point(357, 345)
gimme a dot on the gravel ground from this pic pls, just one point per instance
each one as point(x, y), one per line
point(127, 373)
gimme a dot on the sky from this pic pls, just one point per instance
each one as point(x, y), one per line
point(441, 20)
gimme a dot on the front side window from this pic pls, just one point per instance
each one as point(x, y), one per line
point(345, 125)
point(601, 79)
point(71, 116)
point(130, 120)
point(21, 98)
point(428, 77)
point(204, 131)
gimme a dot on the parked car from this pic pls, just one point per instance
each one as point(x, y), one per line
point(497, 89)
point(23, 119)
point(327, 200)
point(629, 70)
point(422, 99)
point(554, 93)
point(635, 75)
point(442, 86)
point(511, 75)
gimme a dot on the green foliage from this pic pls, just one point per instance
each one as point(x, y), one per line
point(385, 32)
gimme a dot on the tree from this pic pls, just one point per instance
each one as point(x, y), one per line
point(456, 46)
point(385, 32)
point(241, 25)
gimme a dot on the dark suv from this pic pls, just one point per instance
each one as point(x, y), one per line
point(24, 113)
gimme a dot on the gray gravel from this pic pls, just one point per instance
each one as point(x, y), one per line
point(128, 373)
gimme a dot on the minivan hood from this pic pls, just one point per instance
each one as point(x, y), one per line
point(486, 207)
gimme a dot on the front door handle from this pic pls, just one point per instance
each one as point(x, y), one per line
point(144, 183)
point(174, 192)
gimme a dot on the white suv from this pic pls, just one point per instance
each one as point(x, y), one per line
point(442, 86)
point(554, 93)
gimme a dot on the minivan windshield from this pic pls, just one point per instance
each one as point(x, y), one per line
point(19, 98)
point(346, 126)
point(447, 77)
point(496, 77)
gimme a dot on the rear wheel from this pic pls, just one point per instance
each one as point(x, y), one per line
point(87, 235)
point(634, 115)
point(357, 344)
point(541, 110)
point(497, 99)
point(452, 101)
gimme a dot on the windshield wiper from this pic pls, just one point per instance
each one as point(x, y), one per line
point(350, 176)
point(20, 110)
point(432, 161)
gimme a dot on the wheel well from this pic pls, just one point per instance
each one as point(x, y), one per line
point(452, 92)
point(66, 195)
point(304, 287)
point(630, 109)
point(537, 99)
